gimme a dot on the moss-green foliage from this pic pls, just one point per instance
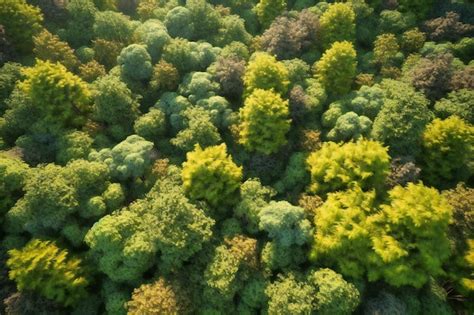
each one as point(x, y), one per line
point(264, 122)
point(43, 267)
point(418, 7)
point(13, 174)
point(385, 49)
point(113, 26)
point(164, 227)
point(135, 63)
point(285, 223)
point(151, 125)
point(153, 34)
point(459, 103)
point(337, 68)
point(265, 72)
point(267, 10)
point(177, 22)
point(335, 166)
point(50, 47)
point(197, 86)
point(337, 24)
point(64, 98)
point(9, 74)
point(392, 126)
point(115, 106)
point(81, 19)
point(21, 21)
point(254, 197)
point(211, 175)
point(128, 159)
point(448, 149)
point(63, 200)
point(73, 145)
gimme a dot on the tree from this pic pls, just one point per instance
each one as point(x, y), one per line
point(91, 71)
point(165, 77)
point(10, 73)
point(50, 47)
point(13, 172)
point(113, 26)
point(268, 10)
point(62, 96)
point(414, 243)
point(73, 145)
point(337, 68)
point(447, 28)
point(253, 198)
point(164, 227)
point(197, 86)
point(337, 24)
point(153, 34)
point(417, 7)
point(412, 40)
point(448, 147)
point(178, 22)
point(128, 159)
point(265, 72)
point(204, 17)
point(228, 72)
point(210, 174)
point(456, 103)
point(386, 49)
point(401, 135)
point(21, 21)
point(135, 63)
point(80, 22)
point(334, 295)
point(264, 122)
point(151, 125)
point(285, 224)
point(159, 297)
point(63, 201)
point(364, 163)
point(115, 106)
point(43, 267)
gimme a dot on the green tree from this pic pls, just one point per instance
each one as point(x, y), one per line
point(154, 35)
point(457, 103)
point(402, 119)
point(337, 24)
point(386, 49)
point(447, 151)
point(13, 173)
point(364, 163)
point(115, 106)
point(268, 10)
point(79, 29)
point(337, 68)
point(128, 159)
point(113, 26)
point(264, 122)
point(265, 72)
point(64, 98)
point(210, 174)
point(43, 267)
point(21, 21)
point(151, 125)
point(135, 63)
point(178, 22)
point(50, 47)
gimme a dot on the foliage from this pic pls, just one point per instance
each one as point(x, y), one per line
point(337, 68)
point(385, 49)
point(165, 77)
point(154, 36)
point(267, 10)
point(115, 106)
point(158, 297)
point(457, 103)
point(364, 163)
point(337, 24)
point(264, 122)
point(413, 40)
point(80, 23)
point(151, 125)
point(62, 96)
point(21, 21)
point(43, 267)
point(448, 147)
point(448, 27)
point(50, 47)
point(210, 174)
point(135, 63)
point(228, 73)
point(177, 22)
point(113, 26)
point(128, 159)
point(13, 173)
point(402, 136)
point(265, 72)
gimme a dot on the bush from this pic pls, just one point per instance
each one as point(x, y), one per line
point(264, 122)
point(43, 267)
point(335, 166)
point(210, 174)
point(337, 68)
point(448, 147)
point(337, 24)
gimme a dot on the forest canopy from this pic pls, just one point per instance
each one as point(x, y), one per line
point(216, 157)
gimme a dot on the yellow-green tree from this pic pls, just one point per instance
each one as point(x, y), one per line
point(265, 72)
point(264, 122)
point(337, 68)
point(43, 267)
point(268, 10)
point(337, 24)
point(211, 175)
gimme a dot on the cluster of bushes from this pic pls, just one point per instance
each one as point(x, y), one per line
point(236, 157)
